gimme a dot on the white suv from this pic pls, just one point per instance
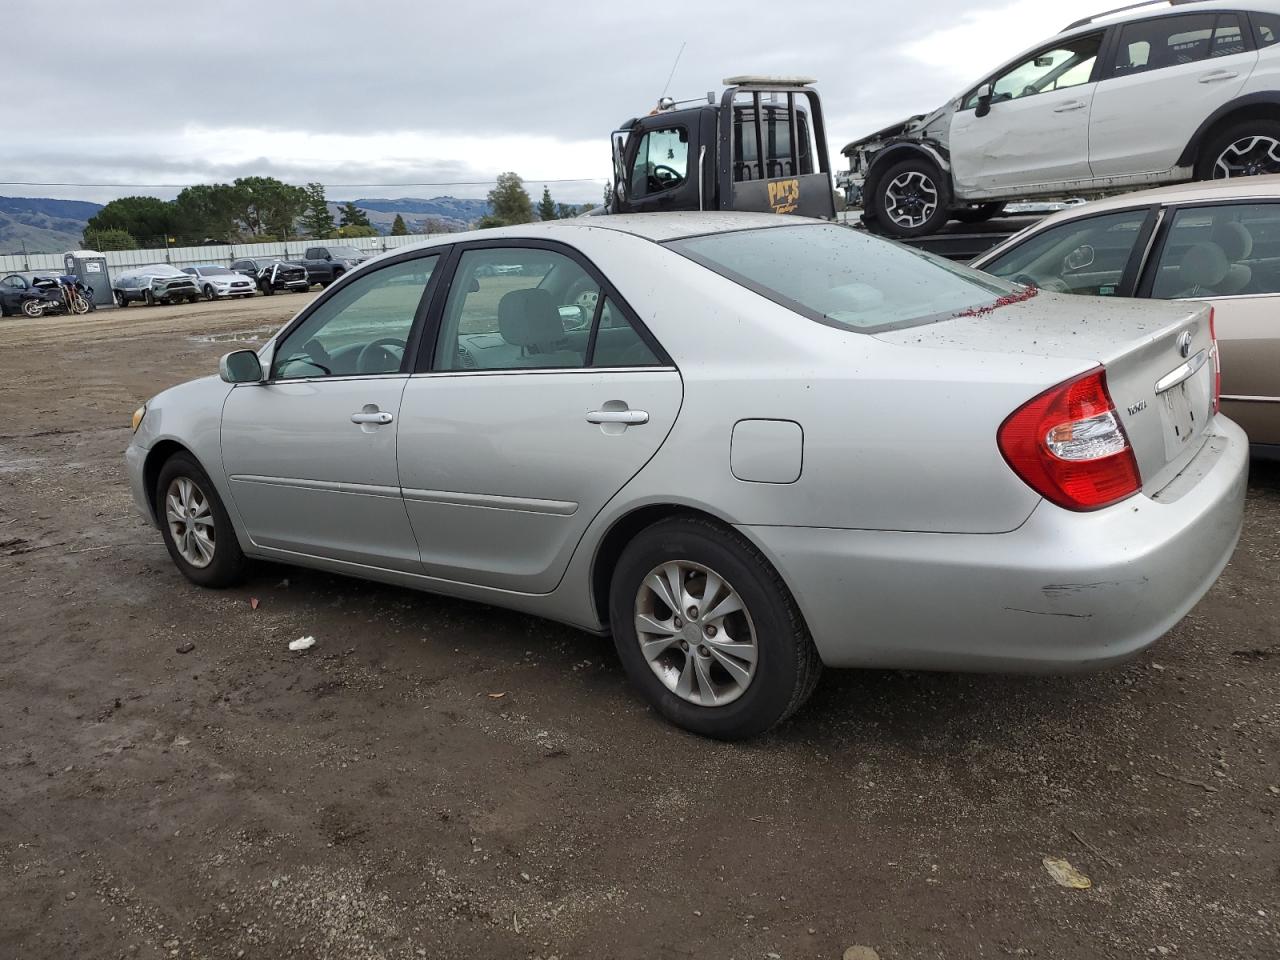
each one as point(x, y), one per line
point(1154, 93)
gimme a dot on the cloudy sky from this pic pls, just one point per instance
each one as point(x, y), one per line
point(367, 95)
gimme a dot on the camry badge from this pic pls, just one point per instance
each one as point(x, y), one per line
point(1184, 343)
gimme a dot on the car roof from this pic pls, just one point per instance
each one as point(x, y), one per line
point(1265, 187)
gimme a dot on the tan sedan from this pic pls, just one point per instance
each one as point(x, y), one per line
point(1217, 241)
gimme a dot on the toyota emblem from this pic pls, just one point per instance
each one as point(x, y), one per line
point(1184, 343)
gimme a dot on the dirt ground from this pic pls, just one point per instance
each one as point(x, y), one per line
point(440, 779)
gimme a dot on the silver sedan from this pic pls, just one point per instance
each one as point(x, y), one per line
point(746, 445)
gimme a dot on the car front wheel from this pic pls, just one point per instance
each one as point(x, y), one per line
point(208, 291)
point(912, 199)
point(195, 525)
point(148, 298)
point(119, 298)
point(708, 632)
point(1244, 149)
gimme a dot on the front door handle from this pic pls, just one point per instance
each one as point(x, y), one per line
point(1217, 75)
point(1069, 106)
point(630, 418)
point(380, 417)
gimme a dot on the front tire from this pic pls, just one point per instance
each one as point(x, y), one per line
point(148, 298)
point(1244, 149)
point(912, 199)
point(208, 292)
point(736, 658)
point(119, 299)
point(196, 528)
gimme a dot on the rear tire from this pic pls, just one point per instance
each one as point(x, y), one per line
point(1244, 149)
point(912, 198)
point(32, 309)
point(979, 214)
point(695, 656)
point(268, 290)
point(119, 299)
point(202, 526)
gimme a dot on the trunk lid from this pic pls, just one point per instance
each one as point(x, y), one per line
point(1157, 356)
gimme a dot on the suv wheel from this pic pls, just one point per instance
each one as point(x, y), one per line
point(912, 198)
point(119, 298)
point(1243, 149)
point(708, 632)
point(195, 525)
point(148, 298)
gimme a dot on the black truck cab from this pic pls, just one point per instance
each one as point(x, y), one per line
point(758, 149)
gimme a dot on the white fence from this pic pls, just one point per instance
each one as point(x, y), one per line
point(212, 253)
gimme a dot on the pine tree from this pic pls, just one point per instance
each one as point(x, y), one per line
point(398, 228)
point(508, 203)
point(547, 206)
point(353, 216)
point(317, 221)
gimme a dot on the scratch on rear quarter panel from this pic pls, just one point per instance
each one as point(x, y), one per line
point(1054, 590)
point(1051, 613)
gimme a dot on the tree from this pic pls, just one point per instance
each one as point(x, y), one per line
point(146, 219)
point(270, 206)
point(209, 211)
point(317, 221)
point(566, 211)
point(508, 203)
point(105, 240)
point(398, 228)
point(352, 216)
point(547, 206)
point(352, 230)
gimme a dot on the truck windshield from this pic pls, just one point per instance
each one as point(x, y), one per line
point(844, 278)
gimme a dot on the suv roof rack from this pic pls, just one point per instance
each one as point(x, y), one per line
point(1133, 6)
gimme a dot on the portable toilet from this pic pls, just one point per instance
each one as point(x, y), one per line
point(91, 267)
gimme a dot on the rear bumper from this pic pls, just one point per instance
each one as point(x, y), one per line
point(1065, 591)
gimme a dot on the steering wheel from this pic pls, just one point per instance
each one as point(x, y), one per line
point(366, 356)
point(584, 295)
point(1052, 284)
point(669, 175)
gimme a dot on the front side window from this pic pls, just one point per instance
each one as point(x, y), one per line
point(662, 162)
point(844, 278)
point(1171, 41)
point(1220, 251)
point(1088, 255)
point(362, 330)
point(1069, 64)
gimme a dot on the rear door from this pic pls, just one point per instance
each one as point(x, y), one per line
point(542, 397)
point(1164, 78)
point(311, 452)
point(1037, 131)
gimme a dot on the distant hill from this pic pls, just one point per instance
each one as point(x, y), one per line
point(452, 212)
point(42, 224)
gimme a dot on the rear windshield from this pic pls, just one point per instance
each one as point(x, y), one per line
point(843, 277)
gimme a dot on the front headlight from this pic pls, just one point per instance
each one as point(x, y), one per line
point(137, 417)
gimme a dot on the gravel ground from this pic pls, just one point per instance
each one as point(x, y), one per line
point(440, 779)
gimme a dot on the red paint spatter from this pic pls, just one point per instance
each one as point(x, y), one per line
point(1011, 299)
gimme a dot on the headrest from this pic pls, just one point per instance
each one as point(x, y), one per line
point(1204, 265)
point(527, 318)
point(1235, 240)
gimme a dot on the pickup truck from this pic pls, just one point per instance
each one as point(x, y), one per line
point(326, 264)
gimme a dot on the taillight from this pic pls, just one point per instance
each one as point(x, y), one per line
point(1069, 446)
point(1217, 364)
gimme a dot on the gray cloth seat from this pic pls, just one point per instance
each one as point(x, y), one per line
point(530, 320)
point(1202, 269)
point(1237, 245)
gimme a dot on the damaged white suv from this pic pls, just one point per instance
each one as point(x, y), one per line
point(1153, 93)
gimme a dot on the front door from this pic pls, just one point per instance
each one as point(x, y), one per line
point(1168, 76)
point(311, 452)
point(1037, 131)
point(545, 396)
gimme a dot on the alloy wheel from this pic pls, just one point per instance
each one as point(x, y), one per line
point(911, 199)
point(1247, 157)
point(190, 520)
point(695, 633)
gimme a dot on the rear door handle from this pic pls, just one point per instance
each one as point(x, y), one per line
point(1217, 75)
point(629, 417)
point(380, 417)
point(1069, 106)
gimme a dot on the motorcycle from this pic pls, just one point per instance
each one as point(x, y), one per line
point(51, 296)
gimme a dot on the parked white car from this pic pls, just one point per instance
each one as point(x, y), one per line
point(1158, 93)
point(216, 281)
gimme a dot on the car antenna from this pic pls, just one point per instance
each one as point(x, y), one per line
point(671, 75)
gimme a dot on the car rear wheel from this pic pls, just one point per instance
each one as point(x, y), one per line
point(708, 632)
point(148, 298)
point(195, 525)
point(912, 199)
point(1244, 149)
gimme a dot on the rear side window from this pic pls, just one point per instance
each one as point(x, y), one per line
point(842, 277)
point(1266, 28)
point(1231, 250)
point(1172, 41)
point(1087, 255)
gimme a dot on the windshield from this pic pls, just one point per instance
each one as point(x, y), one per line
point(345, 253)
point(845, 278)
point(213, 271)
point(161, 270)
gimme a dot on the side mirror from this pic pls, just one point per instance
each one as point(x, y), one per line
point(240, 366)
point(984, 101)
point(1079, 258)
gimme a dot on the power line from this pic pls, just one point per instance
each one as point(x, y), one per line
point(338, 186)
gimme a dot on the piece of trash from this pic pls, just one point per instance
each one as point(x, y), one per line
point(302, 643)
point(1158, 666)
point(497, 696)
point(181, 742)
point(1065, 875)
point(860, 953)
point(185, 647)
point(253, 603)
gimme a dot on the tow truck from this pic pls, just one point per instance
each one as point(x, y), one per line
point(762, 148)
